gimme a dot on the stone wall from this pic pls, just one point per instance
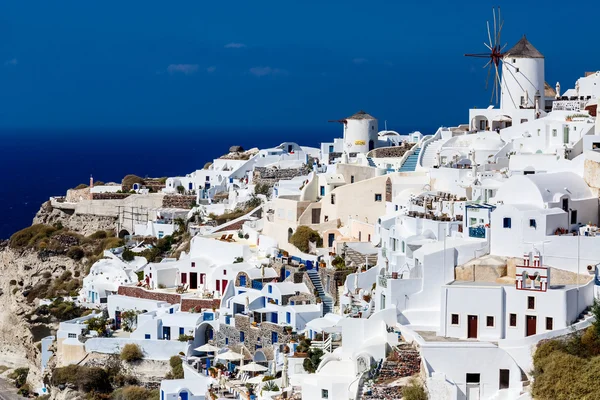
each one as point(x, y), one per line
point(109, 196)
point(270, 176)
point(171, 298)
point(77, 195)
point(390, 152)
point(336, 279)
point(178, 201)
point(253, 333)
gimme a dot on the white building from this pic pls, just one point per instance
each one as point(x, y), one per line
point(105, 277)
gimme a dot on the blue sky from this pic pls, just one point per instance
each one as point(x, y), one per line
point(103, 64)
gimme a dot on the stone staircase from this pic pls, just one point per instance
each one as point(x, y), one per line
point(430, 156)
point(315, 278)
point(371, 162)
point(410, 164)
point(584, 314)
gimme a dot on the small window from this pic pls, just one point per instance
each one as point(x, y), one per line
point(530, 302)
point(181, 331)
point(573, 216)
point(193, 264)
point(489, 321)
point(378, 197)
point(351, 178)
point(224, 272)
point(554, 132)
point(270, 288)
point(473, 378)
point(454, 319)
point(549, 323)
point(324, 393)
point(147, 336)
point(506, 223)
point(242, 337)
point(72, 336)
point(226, 340)
point(513, 319)
point(532, 223)
point(516, 69)
point(332, 198)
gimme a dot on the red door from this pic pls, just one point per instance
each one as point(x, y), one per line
point(472, 327)
point(531, 325)
point(224, 285)
point(218, 285)
point(193, 280)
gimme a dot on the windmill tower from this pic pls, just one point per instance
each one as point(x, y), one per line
point(522, 77)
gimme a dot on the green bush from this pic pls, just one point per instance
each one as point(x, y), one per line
point(312, 361)
point(99, 235)
point(176, 368)
point(19, 375)
point(135, 393)
point(262, 188)
point(131, 352)
point(270, 386)
point(303, 235)
point(111, 243)
point(83, 378)
point(128, 255)
point(414, 391)
point(29, 236)
point(129, 180)
point(76, 253)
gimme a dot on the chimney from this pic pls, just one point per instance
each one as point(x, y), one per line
point(91, 181)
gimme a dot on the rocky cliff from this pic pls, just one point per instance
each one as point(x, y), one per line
point(85, 224)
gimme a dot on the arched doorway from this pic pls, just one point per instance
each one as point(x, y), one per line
point(371, 145)
point(123, 233)
point(290, 233)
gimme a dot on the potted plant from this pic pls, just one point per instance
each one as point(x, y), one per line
point(288, 329)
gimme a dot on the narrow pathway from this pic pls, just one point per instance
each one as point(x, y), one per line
point(8, 391)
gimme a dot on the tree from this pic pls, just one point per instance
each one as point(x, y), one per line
point(129, 319)
point(128, 255)
point(180, 189)
point(312, 361)
point(303, 235)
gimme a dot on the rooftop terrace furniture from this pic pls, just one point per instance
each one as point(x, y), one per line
point(223, 237)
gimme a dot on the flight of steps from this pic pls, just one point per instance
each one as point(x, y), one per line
point(410, 164)
point(316, 281)
point(371, 162)
point(584, 314)
point(429, 157)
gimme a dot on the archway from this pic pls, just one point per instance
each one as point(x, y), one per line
point(123, 233)
point(260, 357)
point(371, 145)
point(290, 233)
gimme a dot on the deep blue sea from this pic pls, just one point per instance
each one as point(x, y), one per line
point(37, 164)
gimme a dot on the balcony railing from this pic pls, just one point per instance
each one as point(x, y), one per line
point(568, 105)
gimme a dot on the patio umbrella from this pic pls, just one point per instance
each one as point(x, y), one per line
point(229, 356)
point(253, 367)
point(284, 372)
point(207, 348)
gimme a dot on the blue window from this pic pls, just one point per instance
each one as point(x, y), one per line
point(242, 337)
point(181, 331)
point(226, 340)
point(288, 317)
point(191, 186)
point(273, 337)
point(242, 280)
point(270, 289)
point(228, 319)
point(331, 148)
point(162, 395)
point(210, 334)
point(377, 197)
point(170, 311)
point(506, 223)
point(322, 191)
point(396, 207)
point(292, 302)
point(147, 336)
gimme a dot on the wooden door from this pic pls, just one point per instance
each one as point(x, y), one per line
point(472, 327)
point(193, 280)
point(531, 325)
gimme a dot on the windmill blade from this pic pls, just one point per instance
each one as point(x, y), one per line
point(498, 35)
point(495, 31)
point(497, 79)
point(488, 75)
point(488, 63)
point(486, 45)
point(489, 36)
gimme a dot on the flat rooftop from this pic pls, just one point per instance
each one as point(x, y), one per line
point(498, 284)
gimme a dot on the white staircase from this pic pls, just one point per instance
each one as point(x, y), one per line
point(430, 156)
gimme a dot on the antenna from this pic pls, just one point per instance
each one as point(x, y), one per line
point(385, 123)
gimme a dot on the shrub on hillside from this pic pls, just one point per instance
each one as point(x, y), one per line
point(29, 236)
point(131, 352)
point(99, 235)
point(81, 186)
point(83, 378)
point(135, 393)
point(75, 253)
point(176, 368)
point(303, 235)
point(414, 391)
point(312, 361)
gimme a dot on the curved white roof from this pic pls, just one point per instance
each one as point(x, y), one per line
point(478, 141)
point(540, 189)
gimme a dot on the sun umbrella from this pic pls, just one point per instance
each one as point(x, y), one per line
point(207, 348)
point(253, 367)
point(229, 356)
